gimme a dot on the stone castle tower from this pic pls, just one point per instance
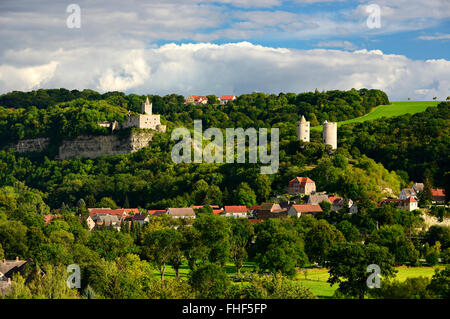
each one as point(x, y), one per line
point(303, 130)
point(147, 107)
point(330, 134)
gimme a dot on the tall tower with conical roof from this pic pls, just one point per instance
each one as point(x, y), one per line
point(147, 107)
point(303, 130)
point(330, 134)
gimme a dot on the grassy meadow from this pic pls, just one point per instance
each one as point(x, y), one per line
point(395, 109)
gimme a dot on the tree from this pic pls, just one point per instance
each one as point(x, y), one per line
point(278, 248)
point(411, 288)
point(394, 238)
point(210, 281)
point(440, 283)
point(350, 232)
point(320, 239)
point(13, 238)
point(161, 246)
point(348, 262)
point(107, 202)
point(215, 234)
point(242, 234)
point(273, 286)
point(245, 195)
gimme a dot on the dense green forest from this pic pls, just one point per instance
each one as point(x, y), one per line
point(417, 144)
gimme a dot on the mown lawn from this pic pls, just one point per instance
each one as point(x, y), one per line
point(396, 109)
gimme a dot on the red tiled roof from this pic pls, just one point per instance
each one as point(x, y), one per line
point(307, 208)
point(410, 200)
point(254, 207)
point(438, 192)
point(236, 209)
point(302, 180)
point(49, 218)
point(156, 212)
point(227, 97)
point(183, 211)
point(333, 198)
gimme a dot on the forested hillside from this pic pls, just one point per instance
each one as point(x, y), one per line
point(417, 144)
point(63, 113)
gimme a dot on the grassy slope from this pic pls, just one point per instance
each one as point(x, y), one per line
point(396, 109)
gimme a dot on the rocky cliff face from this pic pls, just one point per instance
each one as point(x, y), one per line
point(31, 145)
point(90, 146)
point(95, 146)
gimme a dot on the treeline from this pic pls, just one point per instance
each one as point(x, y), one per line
point(66, 114)
point(416, 146)
point(215, 250)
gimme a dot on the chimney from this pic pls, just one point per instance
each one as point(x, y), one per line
point(4, 261)
point(17, 259)
point(9, 280)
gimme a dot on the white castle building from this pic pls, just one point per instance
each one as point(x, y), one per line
point(329, 132)
point(146, 120)
point(303, 130)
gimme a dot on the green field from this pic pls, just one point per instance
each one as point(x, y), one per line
point(316, 278)
point(396, 109)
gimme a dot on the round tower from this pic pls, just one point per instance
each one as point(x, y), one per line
point(330, 134)
point(303, 130)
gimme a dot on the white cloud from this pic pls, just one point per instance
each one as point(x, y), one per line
point(434, 37)
point(26, 78)
point(237, 68)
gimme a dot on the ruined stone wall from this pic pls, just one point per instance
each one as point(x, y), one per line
point(95, 146)
point(31, 145)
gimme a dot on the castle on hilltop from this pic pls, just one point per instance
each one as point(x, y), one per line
point(146, 120)
point(329, 132)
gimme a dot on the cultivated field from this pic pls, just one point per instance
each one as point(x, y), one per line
point(396, 109)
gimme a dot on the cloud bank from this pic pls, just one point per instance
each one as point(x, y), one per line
point(237, 68)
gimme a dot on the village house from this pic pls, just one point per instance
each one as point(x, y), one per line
point(438, 196)
point(270, 210)
point(140, 218)
point(49, 218)
point(317, 198)
point(337, 203)
point(236, 211)
point(106, 216)
point(7, 269)
point(304, 209)
point(301, 185)
point(408, 192)
point(104, 220)
point(224, 99)
point(156, 212)
point(186, 212)
point(418, 187)
point(408, 204)
point(196, 100)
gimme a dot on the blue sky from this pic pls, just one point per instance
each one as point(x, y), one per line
point(227, 46)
